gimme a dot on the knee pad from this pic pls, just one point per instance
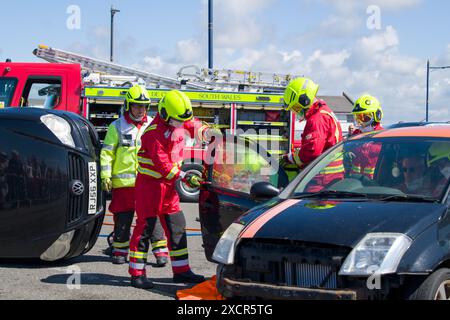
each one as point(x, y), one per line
point(176, 225)
point(158, 232)
point(124, 218)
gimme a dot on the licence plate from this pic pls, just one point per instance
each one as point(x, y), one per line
point(92, 168)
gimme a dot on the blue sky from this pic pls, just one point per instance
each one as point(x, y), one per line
point(327, 40)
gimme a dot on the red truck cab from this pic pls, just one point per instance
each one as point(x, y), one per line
point(48, 85)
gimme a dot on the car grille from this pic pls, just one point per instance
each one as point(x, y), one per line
point(77, 204)
point(303, 265)
point(309, 275)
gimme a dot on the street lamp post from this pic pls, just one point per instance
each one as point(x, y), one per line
point(113, 12)
point(428, 85)
point(210, 34)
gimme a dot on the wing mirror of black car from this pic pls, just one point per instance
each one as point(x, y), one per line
point(263, 191)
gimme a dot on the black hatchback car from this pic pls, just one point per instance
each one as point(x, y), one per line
point(50, 204)
point(379, 230)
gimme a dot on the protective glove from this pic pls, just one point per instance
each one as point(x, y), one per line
point(285, 160)
point(107, 184)
point(193, 180)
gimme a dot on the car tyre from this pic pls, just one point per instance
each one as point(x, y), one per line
point(186, 193)
point(435, 287)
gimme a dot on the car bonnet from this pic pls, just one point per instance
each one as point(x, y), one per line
point(342, 223)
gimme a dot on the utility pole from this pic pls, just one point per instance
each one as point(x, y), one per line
point(113, 12)
point(210, 34)
point(428, 91)
point(428, 85)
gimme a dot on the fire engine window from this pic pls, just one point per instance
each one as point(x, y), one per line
point(42, 93)
point(7, 86)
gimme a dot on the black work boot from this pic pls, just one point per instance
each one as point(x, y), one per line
point(108, 251)
point(188, 277)
point(141, 282)
point(119, 259)
point(161, 261)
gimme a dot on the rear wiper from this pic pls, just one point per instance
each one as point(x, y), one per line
point(330, 193)
point(408, 198)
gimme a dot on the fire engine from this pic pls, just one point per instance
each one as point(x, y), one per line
point(228, 99)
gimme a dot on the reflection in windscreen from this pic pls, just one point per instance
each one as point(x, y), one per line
point(400, 166)
point(238, 166)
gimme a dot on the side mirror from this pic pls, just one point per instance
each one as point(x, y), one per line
point(263, 191)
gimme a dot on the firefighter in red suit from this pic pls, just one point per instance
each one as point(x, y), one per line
point(160, 159)
point(322, 131)
point(368, 115)
point(119, 169)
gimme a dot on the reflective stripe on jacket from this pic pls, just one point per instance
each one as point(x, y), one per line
point(322, 131)
point(161, 153)
point(118, 157)
point(366, 155)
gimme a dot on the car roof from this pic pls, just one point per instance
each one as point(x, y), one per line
point(414, 124)
point(430, 131)
point(33, 113)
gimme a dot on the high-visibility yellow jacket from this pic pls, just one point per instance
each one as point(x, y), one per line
point(118, 157)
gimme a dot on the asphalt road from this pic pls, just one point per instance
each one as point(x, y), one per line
point(92, 276)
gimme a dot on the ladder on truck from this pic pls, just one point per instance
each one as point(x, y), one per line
point(237, 80)
point(195, 79)
point(102, 71)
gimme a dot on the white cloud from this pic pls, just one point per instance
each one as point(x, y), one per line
point(394, 4)
point(236, 22)
point(380, 41)
point(364, 63)
point(397, 80)
point(189, 51)
point(329, 60)
point(349, 6)
point(154, 63)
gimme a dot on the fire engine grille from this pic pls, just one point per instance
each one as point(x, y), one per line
point(293, 264)
point(77, 204)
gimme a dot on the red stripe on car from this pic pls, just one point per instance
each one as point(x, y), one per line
point(257, 224)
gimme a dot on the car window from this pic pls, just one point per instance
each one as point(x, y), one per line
point(43, 93)
point(394, 166)
point(7, 87)
point(238, 164)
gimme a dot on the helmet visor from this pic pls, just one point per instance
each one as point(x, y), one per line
point(296, 107)
point(363, 119)
point(186, 116)
point(138, 105)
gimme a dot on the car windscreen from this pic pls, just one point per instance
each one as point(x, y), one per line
point(394, 168)
point(7, 87)
point(240, 163)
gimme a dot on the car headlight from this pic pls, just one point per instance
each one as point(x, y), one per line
point(377, 253)
point(60, 128)
point(224, 251)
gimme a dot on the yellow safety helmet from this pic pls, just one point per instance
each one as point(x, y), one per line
point(299, 94)
point(438, 151)
point(137, 95)
point(367, 109)
point(175, 105)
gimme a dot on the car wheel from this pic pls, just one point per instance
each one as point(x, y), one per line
point(435, 287)
point(186, 193)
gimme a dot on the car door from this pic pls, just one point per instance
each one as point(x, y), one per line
point(238, 164)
